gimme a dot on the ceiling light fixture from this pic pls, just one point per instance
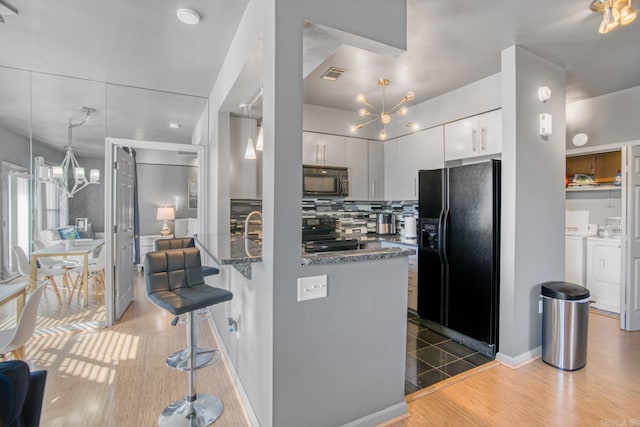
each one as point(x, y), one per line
point(6, 10)
point(60, 175)
point(384, 115)
point(188, 16)
point(174, 125)
point(614, 13)
point(249, 152)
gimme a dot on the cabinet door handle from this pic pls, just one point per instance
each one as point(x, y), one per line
point(325, 154)
point(318, 154)
point(602, 264)
point(373, 188)
point(483, 139)
point(415, 187)
point(474, 140)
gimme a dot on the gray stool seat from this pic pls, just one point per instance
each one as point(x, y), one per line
point(184, 300)
point(180, 243)
point(175, 283)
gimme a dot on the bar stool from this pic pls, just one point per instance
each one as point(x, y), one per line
point(175, 283)
point(179, 243)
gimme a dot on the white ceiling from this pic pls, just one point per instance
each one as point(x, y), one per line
point(158, 70)
point(453, 43)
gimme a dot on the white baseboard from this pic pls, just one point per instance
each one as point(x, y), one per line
point(386, 414)
point(521, 359)
point(246, 403)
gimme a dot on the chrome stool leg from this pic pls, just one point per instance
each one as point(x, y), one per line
point(195, 409)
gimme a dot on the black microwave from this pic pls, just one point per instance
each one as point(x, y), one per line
point(322, 181)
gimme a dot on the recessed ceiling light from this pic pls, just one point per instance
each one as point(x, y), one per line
point(174, 125)
point(188, 16)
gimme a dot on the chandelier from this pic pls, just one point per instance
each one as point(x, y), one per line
point(614, 13)
point(383, 115)
point(60, 175)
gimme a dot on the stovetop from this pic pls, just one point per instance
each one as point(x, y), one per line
point(339, 244)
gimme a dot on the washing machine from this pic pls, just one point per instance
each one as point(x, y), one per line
point(604, 265)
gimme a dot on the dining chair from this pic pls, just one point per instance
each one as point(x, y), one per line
point(48, 272)
point(14, 338)
point(96, 277)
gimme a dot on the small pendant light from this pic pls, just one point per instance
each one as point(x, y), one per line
point(249, 152)
point(260, 141)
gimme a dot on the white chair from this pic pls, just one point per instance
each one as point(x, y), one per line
point(14, 338)
point(95, 275)
point(48, 272)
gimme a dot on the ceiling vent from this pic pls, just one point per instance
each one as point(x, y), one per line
point(333, 73)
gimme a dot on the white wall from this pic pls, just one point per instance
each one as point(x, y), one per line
point(533, 198)
point(606, 119)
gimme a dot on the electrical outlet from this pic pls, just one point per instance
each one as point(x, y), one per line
point(312, 287)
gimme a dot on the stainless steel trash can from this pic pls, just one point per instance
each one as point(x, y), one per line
point(565, 324)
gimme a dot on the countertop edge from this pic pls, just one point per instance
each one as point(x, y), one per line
point(340, 257)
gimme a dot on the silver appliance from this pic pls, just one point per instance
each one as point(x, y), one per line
point(386, 223)
point(325, 181)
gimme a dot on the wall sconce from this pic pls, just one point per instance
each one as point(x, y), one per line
point(544, 93)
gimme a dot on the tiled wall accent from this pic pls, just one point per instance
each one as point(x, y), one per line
point(355, 217)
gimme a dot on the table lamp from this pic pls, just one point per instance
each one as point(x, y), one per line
point(165, 214)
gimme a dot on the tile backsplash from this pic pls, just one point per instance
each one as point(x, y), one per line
point(355, 217)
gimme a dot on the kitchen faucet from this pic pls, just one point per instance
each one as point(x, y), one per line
point(246, 222)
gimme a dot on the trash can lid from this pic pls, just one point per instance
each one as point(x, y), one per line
point(564, 291)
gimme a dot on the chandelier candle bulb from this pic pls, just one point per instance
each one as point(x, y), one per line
point(78, 174)
point(94, 175)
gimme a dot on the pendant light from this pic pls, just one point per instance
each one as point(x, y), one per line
point(260, 141)
point(249, 152)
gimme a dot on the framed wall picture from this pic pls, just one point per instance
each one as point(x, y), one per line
point(81, 224)
point(192, 194)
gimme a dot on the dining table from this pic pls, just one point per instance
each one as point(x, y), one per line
point(15, 290)
point(65, 249)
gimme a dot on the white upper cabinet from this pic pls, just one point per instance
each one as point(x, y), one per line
point(416, 151)
point(376, 170)
point(321, 149)
point(391, 184)
point(357, 161)
point(474, 136)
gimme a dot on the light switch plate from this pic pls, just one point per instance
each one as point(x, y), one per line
point(312, 287)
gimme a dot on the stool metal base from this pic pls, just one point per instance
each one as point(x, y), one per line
point(180, 359)
point(199, 413)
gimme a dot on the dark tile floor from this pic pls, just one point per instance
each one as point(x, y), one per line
point(432, 357)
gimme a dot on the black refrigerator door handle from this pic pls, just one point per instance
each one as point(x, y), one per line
point(443, 237)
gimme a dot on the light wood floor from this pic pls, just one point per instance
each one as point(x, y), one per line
point(604, 393)
point(117, 376)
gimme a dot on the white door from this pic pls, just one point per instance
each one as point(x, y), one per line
point(630, 316)
point(311, 148)
point(333, 150)
point(123, 221)
point(376, 170)
point(391, 182)
point(461, 139)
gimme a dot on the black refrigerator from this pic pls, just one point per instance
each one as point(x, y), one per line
point(459, 252)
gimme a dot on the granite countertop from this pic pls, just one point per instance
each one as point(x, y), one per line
point(338, 257)
point(391, 238)
point(235, 250)
point(229, 249)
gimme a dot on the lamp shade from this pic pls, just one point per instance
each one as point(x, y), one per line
point(164, 214)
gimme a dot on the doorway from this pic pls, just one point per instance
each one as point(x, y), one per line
point(112, 204)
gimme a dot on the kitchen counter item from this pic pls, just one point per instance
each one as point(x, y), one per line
point(410, 227)
point(386, 223)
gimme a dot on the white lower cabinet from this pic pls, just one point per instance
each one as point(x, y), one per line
point(412, 275)
point(604, 272)
point(146, 244)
